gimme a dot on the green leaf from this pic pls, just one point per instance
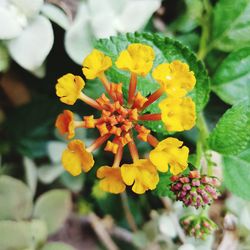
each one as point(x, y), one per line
point(191, 18)
point(30, 174)
point(49, 173)
point(232, 77)
point(236, 171)
point(190, 39)
point(16, 235)
point(231, 25)
point(163, 187)
point(57, 246)
point(53, 207)
point(15, 199)
point(232, 133)
point(166, 50)
point(39, 232)
point(73, 183)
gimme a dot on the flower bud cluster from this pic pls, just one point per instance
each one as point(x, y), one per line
point(197, 226)
point(195, 190)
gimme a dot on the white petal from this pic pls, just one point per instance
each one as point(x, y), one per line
point(103, 25)
point(98, 7)
point(28, 7)
point(167, 226)
point(79, 38)
point(31, 48)
point(9, 25)
point(56, 15)
point(187, 247)
point(103, 14)
point(136, 14)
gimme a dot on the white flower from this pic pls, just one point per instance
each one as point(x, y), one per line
point(101, 19)
point(27, 34)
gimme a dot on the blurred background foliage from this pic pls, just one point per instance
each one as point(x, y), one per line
point(42, 40)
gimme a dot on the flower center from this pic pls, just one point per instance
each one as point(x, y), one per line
point(116, 119)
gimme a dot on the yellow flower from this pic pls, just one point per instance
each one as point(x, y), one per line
point(95, 64)
point(178, 114)
point(69, 88)
point(137, 58)
point(111, 179)
point(142, 174)
point(76, 159)
point(170, 152)
point(65, 124)
point(175, 78)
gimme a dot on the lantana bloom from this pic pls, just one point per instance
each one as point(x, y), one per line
point(76, 159)
point(137, 58)
point(111, 179)
point(95, 64)
point(175, 78)
point(69, 88)
point(178, 114)
point(142, 174)
point(65, 124)
point(119, 120)
point(170, 152)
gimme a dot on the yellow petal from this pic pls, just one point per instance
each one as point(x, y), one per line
point(95, 64)
point(75, 158)
point(159, 159)
point(111, 179)
point(137, 58)
point(175, 78)
point(170, 152)
point(69, 88)
point(139, 188)
point(71, 162)
point(65, 124)
point(141, 174)
point(129, 173)
point(178, 114)
point(176, 168)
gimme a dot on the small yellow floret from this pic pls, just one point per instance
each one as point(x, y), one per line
point(142, 174)
point(137, 58)
point(111, 179)
point(170, 152)
point(176, 78)
point(65, 124)
point(178, 114)
point(95, 64)
point(69, 88)
point(76, 159)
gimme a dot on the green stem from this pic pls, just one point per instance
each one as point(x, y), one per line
point(204, 48)
point(205, 34)
point(198, 153)
point(202, 125)
point(202, 146)
point(128, 213)
point(204, 212)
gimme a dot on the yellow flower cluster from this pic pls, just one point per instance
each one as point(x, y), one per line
point(178, 112)
point(118, 119)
